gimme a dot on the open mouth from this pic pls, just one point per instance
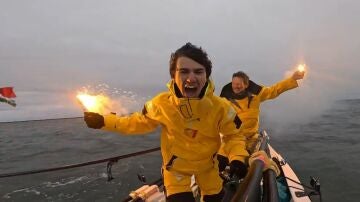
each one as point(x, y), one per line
point(190, 90)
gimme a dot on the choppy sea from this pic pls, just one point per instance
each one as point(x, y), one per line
point(328, 147)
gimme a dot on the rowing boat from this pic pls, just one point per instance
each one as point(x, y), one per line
point(256, 186)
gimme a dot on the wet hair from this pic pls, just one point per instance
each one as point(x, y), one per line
point(193, 52)
point(243, 76)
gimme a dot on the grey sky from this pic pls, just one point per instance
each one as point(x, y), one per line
point(53, 48)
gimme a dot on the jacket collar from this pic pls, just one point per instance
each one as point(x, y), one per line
point(192, 108)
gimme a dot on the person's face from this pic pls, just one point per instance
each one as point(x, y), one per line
point(238, 85)
point(190, 77)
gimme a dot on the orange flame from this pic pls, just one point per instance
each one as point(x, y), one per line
point(93, 103)
point(301, 67)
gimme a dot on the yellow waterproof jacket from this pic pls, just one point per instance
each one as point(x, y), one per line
point(190, 128)
point(248, 108)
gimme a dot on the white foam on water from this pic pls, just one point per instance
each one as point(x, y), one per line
point(103, 175)
point(27, 190)
point(57, 184)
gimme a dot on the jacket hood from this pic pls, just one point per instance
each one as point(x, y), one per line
point(191, 108)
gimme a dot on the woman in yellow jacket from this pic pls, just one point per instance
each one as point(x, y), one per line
point(191, 118)
point(246, 97)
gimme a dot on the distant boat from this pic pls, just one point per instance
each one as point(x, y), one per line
point(6, 93)
point(8, 101)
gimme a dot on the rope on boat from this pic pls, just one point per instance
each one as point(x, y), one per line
point(315, 188)
point(46, 119)
point(110, 161)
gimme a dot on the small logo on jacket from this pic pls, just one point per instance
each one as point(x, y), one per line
point(190, 132)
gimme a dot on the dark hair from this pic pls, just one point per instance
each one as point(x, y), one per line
point(243, 76)
point(193, 52)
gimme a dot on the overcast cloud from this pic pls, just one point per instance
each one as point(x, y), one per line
point(50, 49)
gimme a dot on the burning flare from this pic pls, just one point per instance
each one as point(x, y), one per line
point(301, 68)
point(94, 103)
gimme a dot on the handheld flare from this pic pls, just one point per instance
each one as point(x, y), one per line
point(301, 68)
point(93, 103)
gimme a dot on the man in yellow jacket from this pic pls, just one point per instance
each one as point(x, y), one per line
point(191, 118)
point(246, 97)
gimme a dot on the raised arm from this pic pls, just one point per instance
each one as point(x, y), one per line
point(136, 123)
point(280, 87)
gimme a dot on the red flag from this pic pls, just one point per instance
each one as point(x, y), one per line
point(7, 92)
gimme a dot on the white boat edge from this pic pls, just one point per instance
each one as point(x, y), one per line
point(288, 172)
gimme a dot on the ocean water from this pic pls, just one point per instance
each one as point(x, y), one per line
point(328, 147)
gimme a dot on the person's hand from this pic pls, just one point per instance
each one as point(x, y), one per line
point(238, 169)
point(94, 120)
point(298, 75)
point(268, 163)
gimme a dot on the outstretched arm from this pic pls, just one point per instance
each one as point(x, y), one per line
point(282, 86)
point(137, 123)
